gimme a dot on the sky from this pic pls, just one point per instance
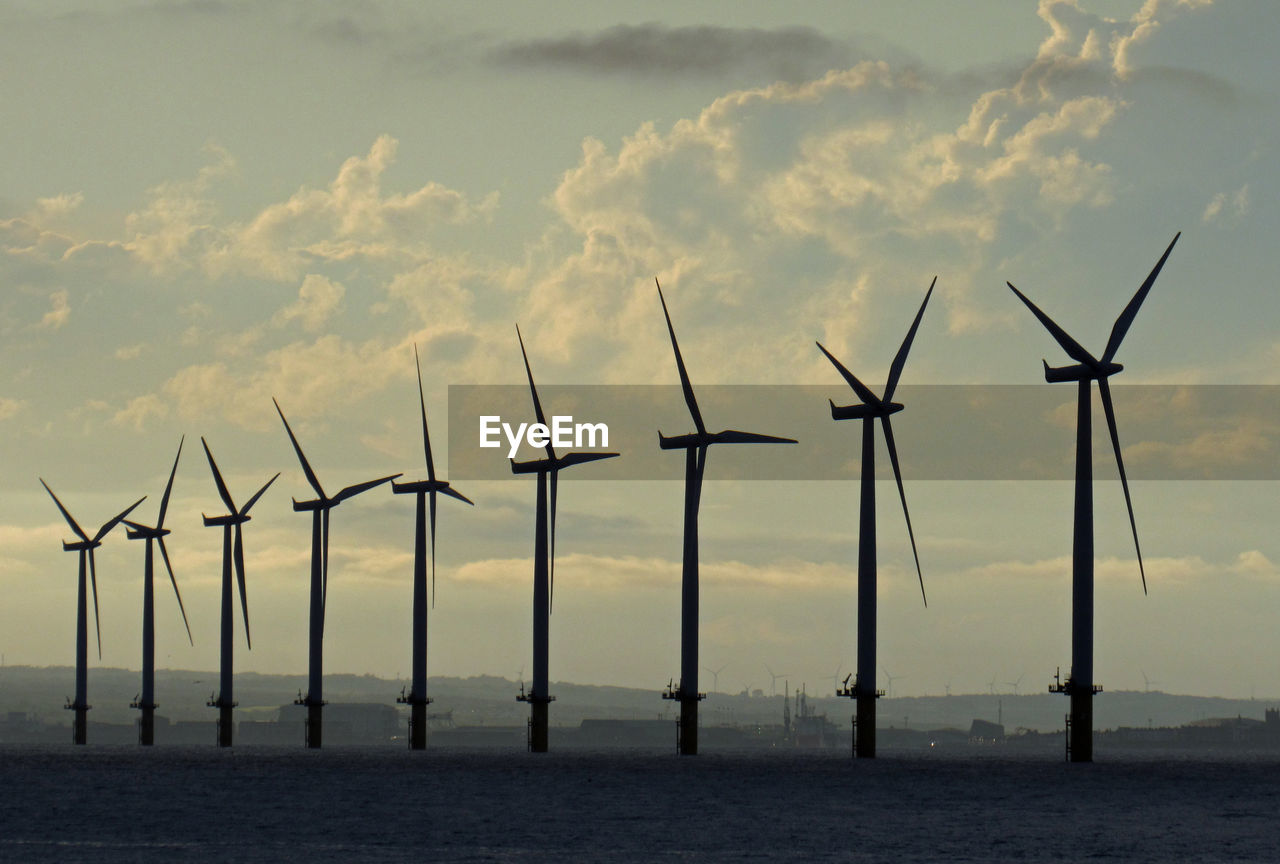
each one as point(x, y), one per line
point(207, 204)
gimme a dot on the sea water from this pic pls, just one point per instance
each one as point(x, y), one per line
point(346, 804)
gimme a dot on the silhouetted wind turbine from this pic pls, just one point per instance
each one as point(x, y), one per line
point(232, 553)
point(1079, 685)
point(147, 702)
point(538, 696)
point(85, 546)
point(864, 690)
point(695, 445)
point(417, 698)
point(319, 507)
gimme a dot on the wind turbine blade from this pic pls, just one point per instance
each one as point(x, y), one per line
point(306, 466)
point(422, 400)
point(454, 493)
point(533, 389)
point(65, 515)
point(551, 560)
point(433, 549)
point(238, 554)
point(579, 458)
point(353, 491)
point(116, 520)
point(1130, 312)
point(217, 478)
point(97, 622)
point(164, 553)
point(902, 493)
point(324, 570)
point(685, 385)
point(863, 391)
point(256, 496)
point(900, 360)
point(1073, 348)
point(732, 436)
point(1105, 390)
point(164, 501)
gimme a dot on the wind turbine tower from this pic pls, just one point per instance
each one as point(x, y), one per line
point(232, 554)
point(85, 546)
point(694, 445)
point(424, 490)
point(147, 702)
point(873, 408)
point(547, 468)
point(1079, 685)
point(319, 507)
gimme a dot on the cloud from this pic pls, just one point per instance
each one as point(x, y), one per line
point(790, 53)
point(139, 410)
point(56, 317)
point(318, 299)
point(11, 407)
point(57, 206)
point(1223, 206)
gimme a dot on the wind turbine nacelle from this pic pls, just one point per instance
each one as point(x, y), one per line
point(314, 504)
point(682, 442)
point(1079, 372)
point(864, 411)
point(533, 466)
point(78, 546)
point(230, 519)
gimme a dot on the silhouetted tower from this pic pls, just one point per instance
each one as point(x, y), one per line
point(871, 409)
point(544, 551)
point(232, 554)
point(1079, 685)
point(85, 546)
point(694, 445)
point(319, 507)
point(425, 490)
point(147, 700)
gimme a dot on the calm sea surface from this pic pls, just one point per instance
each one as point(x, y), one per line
point(262, 804)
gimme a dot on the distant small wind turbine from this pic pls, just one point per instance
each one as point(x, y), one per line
point(422, 489)
point(695, 446)
point(147, 700)
point(232, 555)
point(773, 680)
point(85, 546)
point(715, 677)
point(871, 409)
point(1079, 685)
point(319, 507)
point(1015, 684)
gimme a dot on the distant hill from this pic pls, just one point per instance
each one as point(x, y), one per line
point(487, 700)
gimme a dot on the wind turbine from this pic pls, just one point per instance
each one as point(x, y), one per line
point(773, 680)
point(715, 677)
point(85, 546)
point(694, 445)
point(417, 698)
point(872, 408)
point(538, 695)
point(1079, 685)
point(147, 702)
point(319, 507)
point(232, 553)
point(1015, 684)
point(891, 679)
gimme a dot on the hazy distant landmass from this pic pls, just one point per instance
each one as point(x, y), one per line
point(35, 695)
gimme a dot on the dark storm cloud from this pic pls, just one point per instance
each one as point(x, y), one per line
point(652, 49)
